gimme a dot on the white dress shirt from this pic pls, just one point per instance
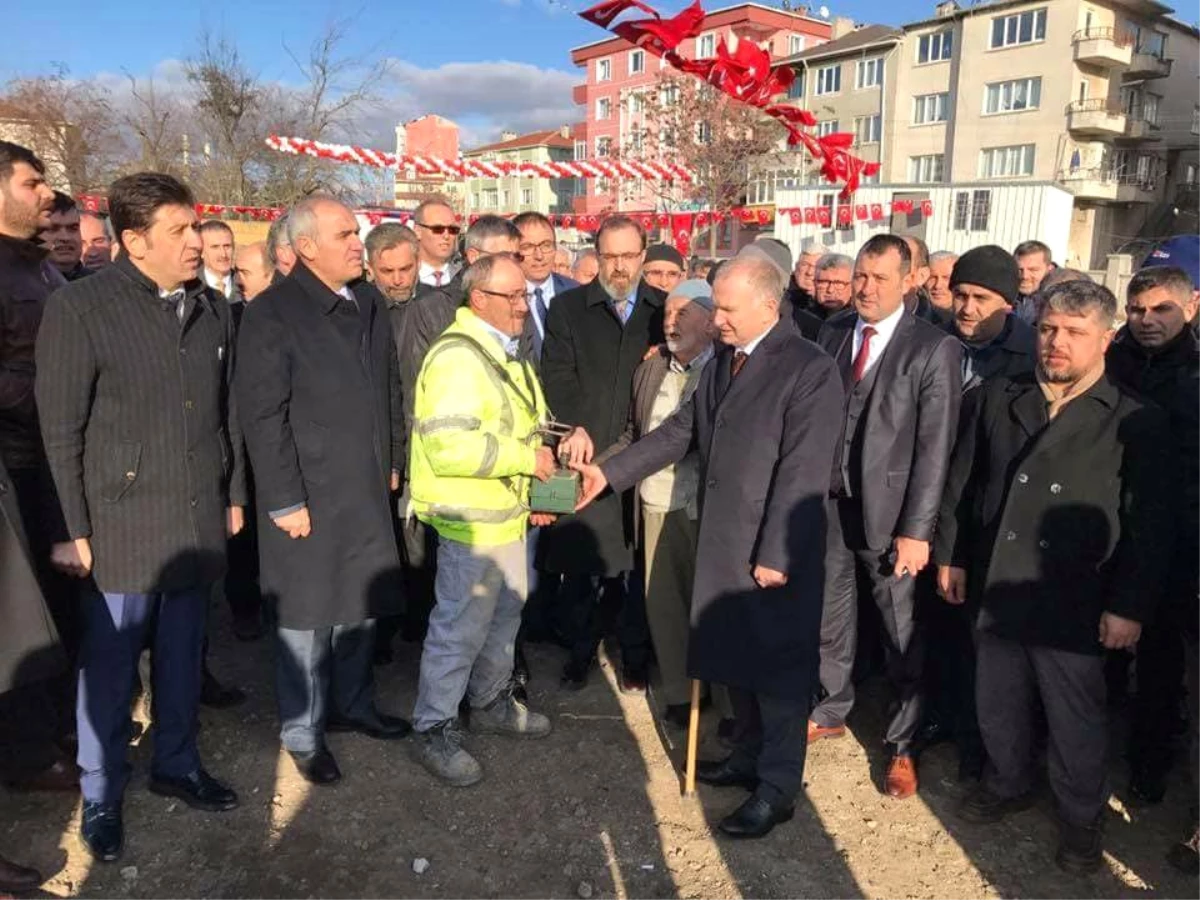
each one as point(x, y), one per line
point(751, 346)
point(222, 283)
point(425, 274)
point(884, 329)
point(547, 287)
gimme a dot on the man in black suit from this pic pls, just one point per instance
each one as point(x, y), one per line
point(1056, 526)
point(903, 383)
point(536, 248)
point(596, 336)
point(320, 388)
point(143, 441)
point(763, 420)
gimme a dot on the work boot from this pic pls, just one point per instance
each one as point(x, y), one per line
point(440, 751)
point(508, 715)
point(1080, 848)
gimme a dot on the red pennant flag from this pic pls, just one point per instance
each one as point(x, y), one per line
point(902, 206)
point(861, 212)
point(662, 220)
point(927, 207)
point(681, 229)
point(825, 216)
point(719, 215)
point(845, 216)
point(553, 219)
point(568, 221)
point(876, 212)
point(795, 216)
point(702, 220)
point(764, 217)
point(810, 215)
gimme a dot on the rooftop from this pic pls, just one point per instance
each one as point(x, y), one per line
point(552, 137)
point(859, 39)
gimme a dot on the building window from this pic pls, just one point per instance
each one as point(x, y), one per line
point(604, 70)
point(761, 188)
point(669, 95)
point(637, 103)
point(504, 198)
point(706, 46)
point(491, 198)
point(603, 108)
point(827, 127)
point(829, 79)
point(796, 91)
point(867, 129)
point(869, 73)
point(981, 210)
point(1012, 96)
point(962, 210)
point(581, 149)
point(603, 146)
point(1020, 28)
point(1196, 120)
point(637, 62)
point(926, 169)
point(475, 200)
point(934, 47)
point(703, 133)
point(795, 44)
point(635, 141)
point(527, 196)
point(1189, 174)
point(1006, 162)
point(929, 108)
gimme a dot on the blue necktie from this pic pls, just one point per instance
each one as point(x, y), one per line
point(539, 302)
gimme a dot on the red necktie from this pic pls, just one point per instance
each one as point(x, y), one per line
point(860, 361)
point(739, 360)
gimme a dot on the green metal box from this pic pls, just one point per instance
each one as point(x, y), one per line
point(558, 495)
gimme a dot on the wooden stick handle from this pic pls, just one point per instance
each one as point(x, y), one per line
point(693, 739)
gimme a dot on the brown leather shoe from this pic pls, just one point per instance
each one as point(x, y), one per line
point(817, 732)
point(17, 879)
point(901, 781)
point(58, 776)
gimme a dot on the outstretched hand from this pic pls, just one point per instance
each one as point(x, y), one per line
point(593, 485)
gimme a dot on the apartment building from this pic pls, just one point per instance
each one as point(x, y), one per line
point(1097, 98)
point(428, 135)
point(518, 194)
point(620, 81)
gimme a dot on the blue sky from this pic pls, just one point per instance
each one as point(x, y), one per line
point(490, 64)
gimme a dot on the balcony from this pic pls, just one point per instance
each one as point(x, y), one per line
point(579, 94)
point(1095, 118)
point(1147, 65)
point(1106, 186)
point(1140, 128)
point(1105, 47)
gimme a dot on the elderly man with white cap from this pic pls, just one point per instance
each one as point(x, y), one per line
point(666, 500)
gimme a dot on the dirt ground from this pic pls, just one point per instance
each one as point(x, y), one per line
point(592, 811)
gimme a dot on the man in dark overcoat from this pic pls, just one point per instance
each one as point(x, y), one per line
point(1058, 500)
point(134, 365)
point(764, 421)
point(324, 430)
point(903, 388)
point(596, 336)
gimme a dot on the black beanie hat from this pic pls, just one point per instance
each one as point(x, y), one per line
point(664, 253)
point(988, 267)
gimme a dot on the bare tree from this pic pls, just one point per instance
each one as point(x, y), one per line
point(155, 121)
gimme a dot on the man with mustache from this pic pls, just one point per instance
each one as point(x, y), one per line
point(1157, 356)
point(1059, 495)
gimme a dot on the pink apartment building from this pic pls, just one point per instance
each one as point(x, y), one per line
point(617, 73)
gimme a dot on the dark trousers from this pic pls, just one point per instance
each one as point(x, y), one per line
point(1010, 679)
point(1160, 676)
point(116, 628)
point(321, 671)
point(846, 558)
point(771, 741)
point(241, 578)
point(417, 543)
point(948, 679)
point(588, 601)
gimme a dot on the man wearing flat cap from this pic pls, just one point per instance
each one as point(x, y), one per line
point(664, 267)
point(666, 501)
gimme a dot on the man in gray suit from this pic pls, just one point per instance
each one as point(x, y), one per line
point(763, 420)
point(903, 381)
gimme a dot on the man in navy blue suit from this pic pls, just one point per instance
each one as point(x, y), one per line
point(537, 248)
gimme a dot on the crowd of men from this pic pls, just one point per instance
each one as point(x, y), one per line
point(953, 468)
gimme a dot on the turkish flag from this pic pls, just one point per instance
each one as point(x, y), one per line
point(764, 217)
point(719, 215)
point(845, 216)
point(553, 219)
point(825, 216)
point(647, 221)
point(472, 219)
point(681, 228)
point(794, 216)
point(902, 206)
point(810, 215)
point(90, 203)
point(374, 218)
point(927, 207)
point(663, 220)
point(861, 212)
point(876, 212)
point(568, 221)
point(702, 220)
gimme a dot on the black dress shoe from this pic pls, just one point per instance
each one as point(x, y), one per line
point(634, 680)
point(16, 879)
point(317, 766)
point(199, 790)
point(720, 773)
point(381, 727)
point(575, 675)
point(755, 818)
point(215, 695)
point(102, 831)
point(932, 733)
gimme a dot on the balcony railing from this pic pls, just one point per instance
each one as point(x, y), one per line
point(1103, 46)
point(1098, 105)
point(1116, 36)
point(1099, 117)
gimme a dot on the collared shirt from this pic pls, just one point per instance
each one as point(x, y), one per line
point(222, 283)
point(676, 486)
point(509, 344)
point(547, 288)
point(177, 296)
point(425, 274)
point(884, 329)
point(345, 293)
point(752, 345)
point(630, 302)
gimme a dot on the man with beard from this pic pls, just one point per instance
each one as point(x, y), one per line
point(95, 233)
point(1156, 355)
point(596, 336)
point(63, 240)
point(1034, 262)
point(941, 264)
point(1052, 524)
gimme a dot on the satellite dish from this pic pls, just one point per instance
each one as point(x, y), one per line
point(823, 12)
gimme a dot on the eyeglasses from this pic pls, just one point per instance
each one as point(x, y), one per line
point(514, 298)
point(823, 282)
point(543, 248)
point(620, 257)
point(441, 229)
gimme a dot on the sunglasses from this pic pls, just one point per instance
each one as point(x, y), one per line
point(441, 229)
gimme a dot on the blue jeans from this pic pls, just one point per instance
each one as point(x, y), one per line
point(115, 630)
point(473, 628)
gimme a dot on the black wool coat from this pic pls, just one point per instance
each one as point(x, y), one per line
point(1056, 522)
point(766, 440)
point(588, 361)
point(319, 389)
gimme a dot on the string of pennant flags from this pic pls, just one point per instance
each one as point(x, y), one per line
point(848, 214)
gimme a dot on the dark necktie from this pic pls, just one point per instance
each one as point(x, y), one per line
point(739, 360)
point(539, 302)
point(860, 361)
